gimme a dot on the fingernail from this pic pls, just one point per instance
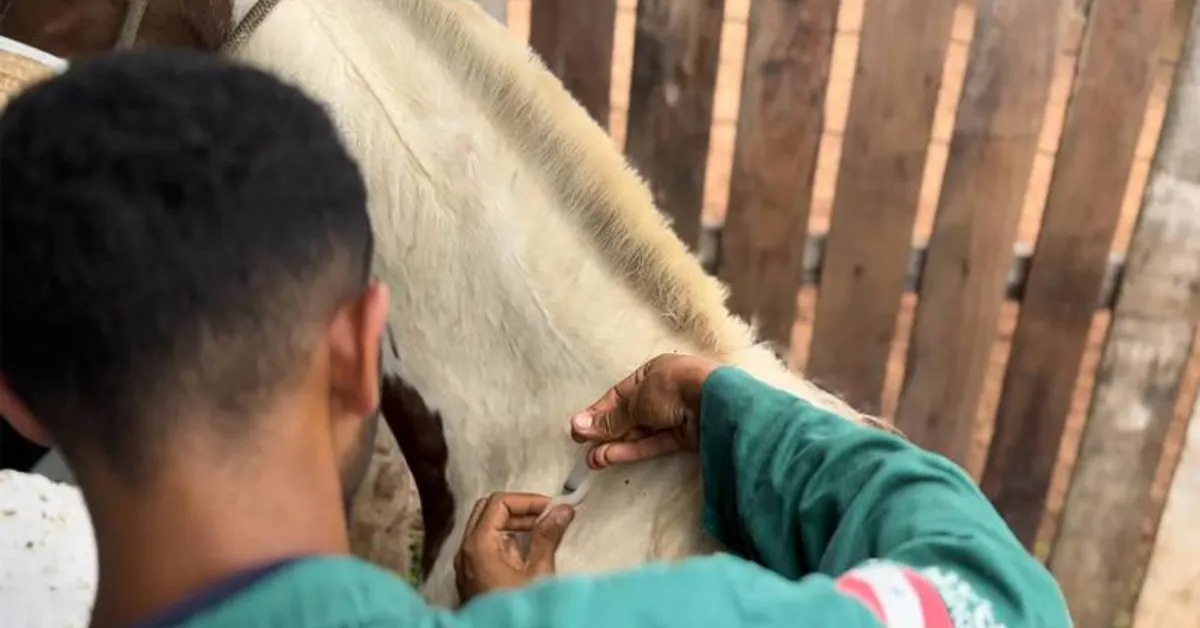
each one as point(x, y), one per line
point(562, 514)
point(582, 421)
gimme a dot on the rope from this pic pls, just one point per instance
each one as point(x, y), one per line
point(134, 12)
point(244, 29)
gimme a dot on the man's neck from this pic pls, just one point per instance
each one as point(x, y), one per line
point(197, 527)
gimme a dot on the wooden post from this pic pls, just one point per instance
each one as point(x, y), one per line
point(991, 155)
point(675, 55)
point(900, 64)
point(575, 39)
point(1112, 85)
point(788, 50)
point(1098, 556)
point(496, 8)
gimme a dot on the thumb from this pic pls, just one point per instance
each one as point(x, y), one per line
point(602, 421)
point(609, 418)
point(545, 537)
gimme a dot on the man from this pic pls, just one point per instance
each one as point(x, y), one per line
point(187, 314)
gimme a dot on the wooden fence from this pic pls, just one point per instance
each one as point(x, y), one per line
point(1110, 65)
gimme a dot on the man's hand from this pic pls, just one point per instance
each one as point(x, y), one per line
point(653, 412)
point(490, 557)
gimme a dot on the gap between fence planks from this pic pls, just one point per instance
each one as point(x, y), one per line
point(675, 53)
point(575, 40)
point(496, 8)
point(788, 51)
point(991, 156)
point(1112, 85)
point(896, 85)
point(1099, 556)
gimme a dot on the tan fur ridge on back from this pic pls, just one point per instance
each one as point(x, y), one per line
point(592, 179)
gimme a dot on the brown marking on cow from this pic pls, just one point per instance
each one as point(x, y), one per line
point(418, 432)
point(71, 28)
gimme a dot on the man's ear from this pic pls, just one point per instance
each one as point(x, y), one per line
point(19, 416)
point(356, 334)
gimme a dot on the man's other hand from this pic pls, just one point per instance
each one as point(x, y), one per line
point(490, 557)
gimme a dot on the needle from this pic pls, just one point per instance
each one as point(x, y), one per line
point(575, 487)
point(578, 474)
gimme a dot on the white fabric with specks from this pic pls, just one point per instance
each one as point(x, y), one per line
point(47, 554)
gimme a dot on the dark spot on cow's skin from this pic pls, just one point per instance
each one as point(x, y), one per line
point(418, 432)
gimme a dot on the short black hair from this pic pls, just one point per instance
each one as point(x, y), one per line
point(174, 230)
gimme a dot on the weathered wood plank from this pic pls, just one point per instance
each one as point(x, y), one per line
point(1172, 584)
point(1099, 556)
point(1015, 279)
point(1111, 89)
point(899, 72)
point(781, 119)
point(675, 53)
point(575, 39)
point(991, 155)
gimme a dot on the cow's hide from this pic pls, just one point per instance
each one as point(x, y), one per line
point(528, 265)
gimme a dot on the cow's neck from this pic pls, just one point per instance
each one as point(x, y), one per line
point(507, 316)
point(528, 268)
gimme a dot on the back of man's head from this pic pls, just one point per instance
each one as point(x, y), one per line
point(175, 232)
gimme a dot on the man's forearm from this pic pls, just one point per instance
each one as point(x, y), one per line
point(801, 490)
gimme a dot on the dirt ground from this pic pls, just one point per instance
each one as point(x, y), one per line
point(1180, 588)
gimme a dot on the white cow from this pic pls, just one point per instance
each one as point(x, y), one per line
point(529, 267)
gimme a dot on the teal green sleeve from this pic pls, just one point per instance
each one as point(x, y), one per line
point(718, 592)
point(801, 490)
point(703, 592)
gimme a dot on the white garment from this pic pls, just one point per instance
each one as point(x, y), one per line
point(47, 554)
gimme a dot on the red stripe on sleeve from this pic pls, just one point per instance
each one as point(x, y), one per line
point(898, 596)
point(861, 590)
point(932, 606)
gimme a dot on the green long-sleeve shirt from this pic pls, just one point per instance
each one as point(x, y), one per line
point(841, 526)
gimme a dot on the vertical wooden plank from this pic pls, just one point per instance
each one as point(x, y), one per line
point(1172, 585)
point(899, 72)
point(1112, 85)
point(788, 50)
point(991, 155)
point(675, 53)
point(1098, 556)
point(496, 8)
point(575, 39)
